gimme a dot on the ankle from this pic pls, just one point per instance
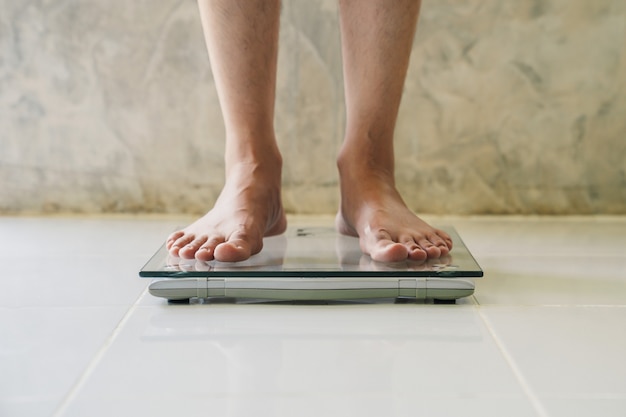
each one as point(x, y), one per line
point(264, 171)
point(363, 161)
point(255, 153)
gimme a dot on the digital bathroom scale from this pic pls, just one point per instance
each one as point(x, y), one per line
point(314, 263)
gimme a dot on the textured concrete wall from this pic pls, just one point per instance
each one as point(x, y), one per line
point(510, 106)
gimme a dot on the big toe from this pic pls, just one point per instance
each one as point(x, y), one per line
point(388, 251)
point(233, 251)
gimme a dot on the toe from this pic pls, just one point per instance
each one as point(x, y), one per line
point(389, 251)
point(445, 237)
point(189, 250)
point(239, 247)
point(232, 251)
point(415, 252)
point(179, 243)
point(440, 243)
point(206, 252)
point(383, 248)
point(173, 238)
point(432, 250)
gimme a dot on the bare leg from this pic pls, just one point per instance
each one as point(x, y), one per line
point(242, 39)
point(377, 36)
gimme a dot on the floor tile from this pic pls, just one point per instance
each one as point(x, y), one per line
point(67, 237)
point(543, 236)
point(67, 282)
point(552, 280)
point(571, 357)
point(81, 261)
point(605, 406)
point(44, 351)
point(329, 360)
point(87, 280)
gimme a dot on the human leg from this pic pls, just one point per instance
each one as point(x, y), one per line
point(377, 36)
point(242, 40)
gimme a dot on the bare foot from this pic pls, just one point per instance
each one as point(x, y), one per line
point(248, 208)
point(373, 210)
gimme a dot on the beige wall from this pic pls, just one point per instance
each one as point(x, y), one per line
point(510, 106)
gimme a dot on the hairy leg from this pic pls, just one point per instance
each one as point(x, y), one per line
point(242, 40)
point(377, 36)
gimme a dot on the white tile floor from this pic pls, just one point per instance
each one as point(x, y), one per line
point(544, 335)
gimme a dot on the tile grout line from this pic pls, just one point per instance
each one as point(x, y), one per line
point(530, 394)
point(91, 366)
